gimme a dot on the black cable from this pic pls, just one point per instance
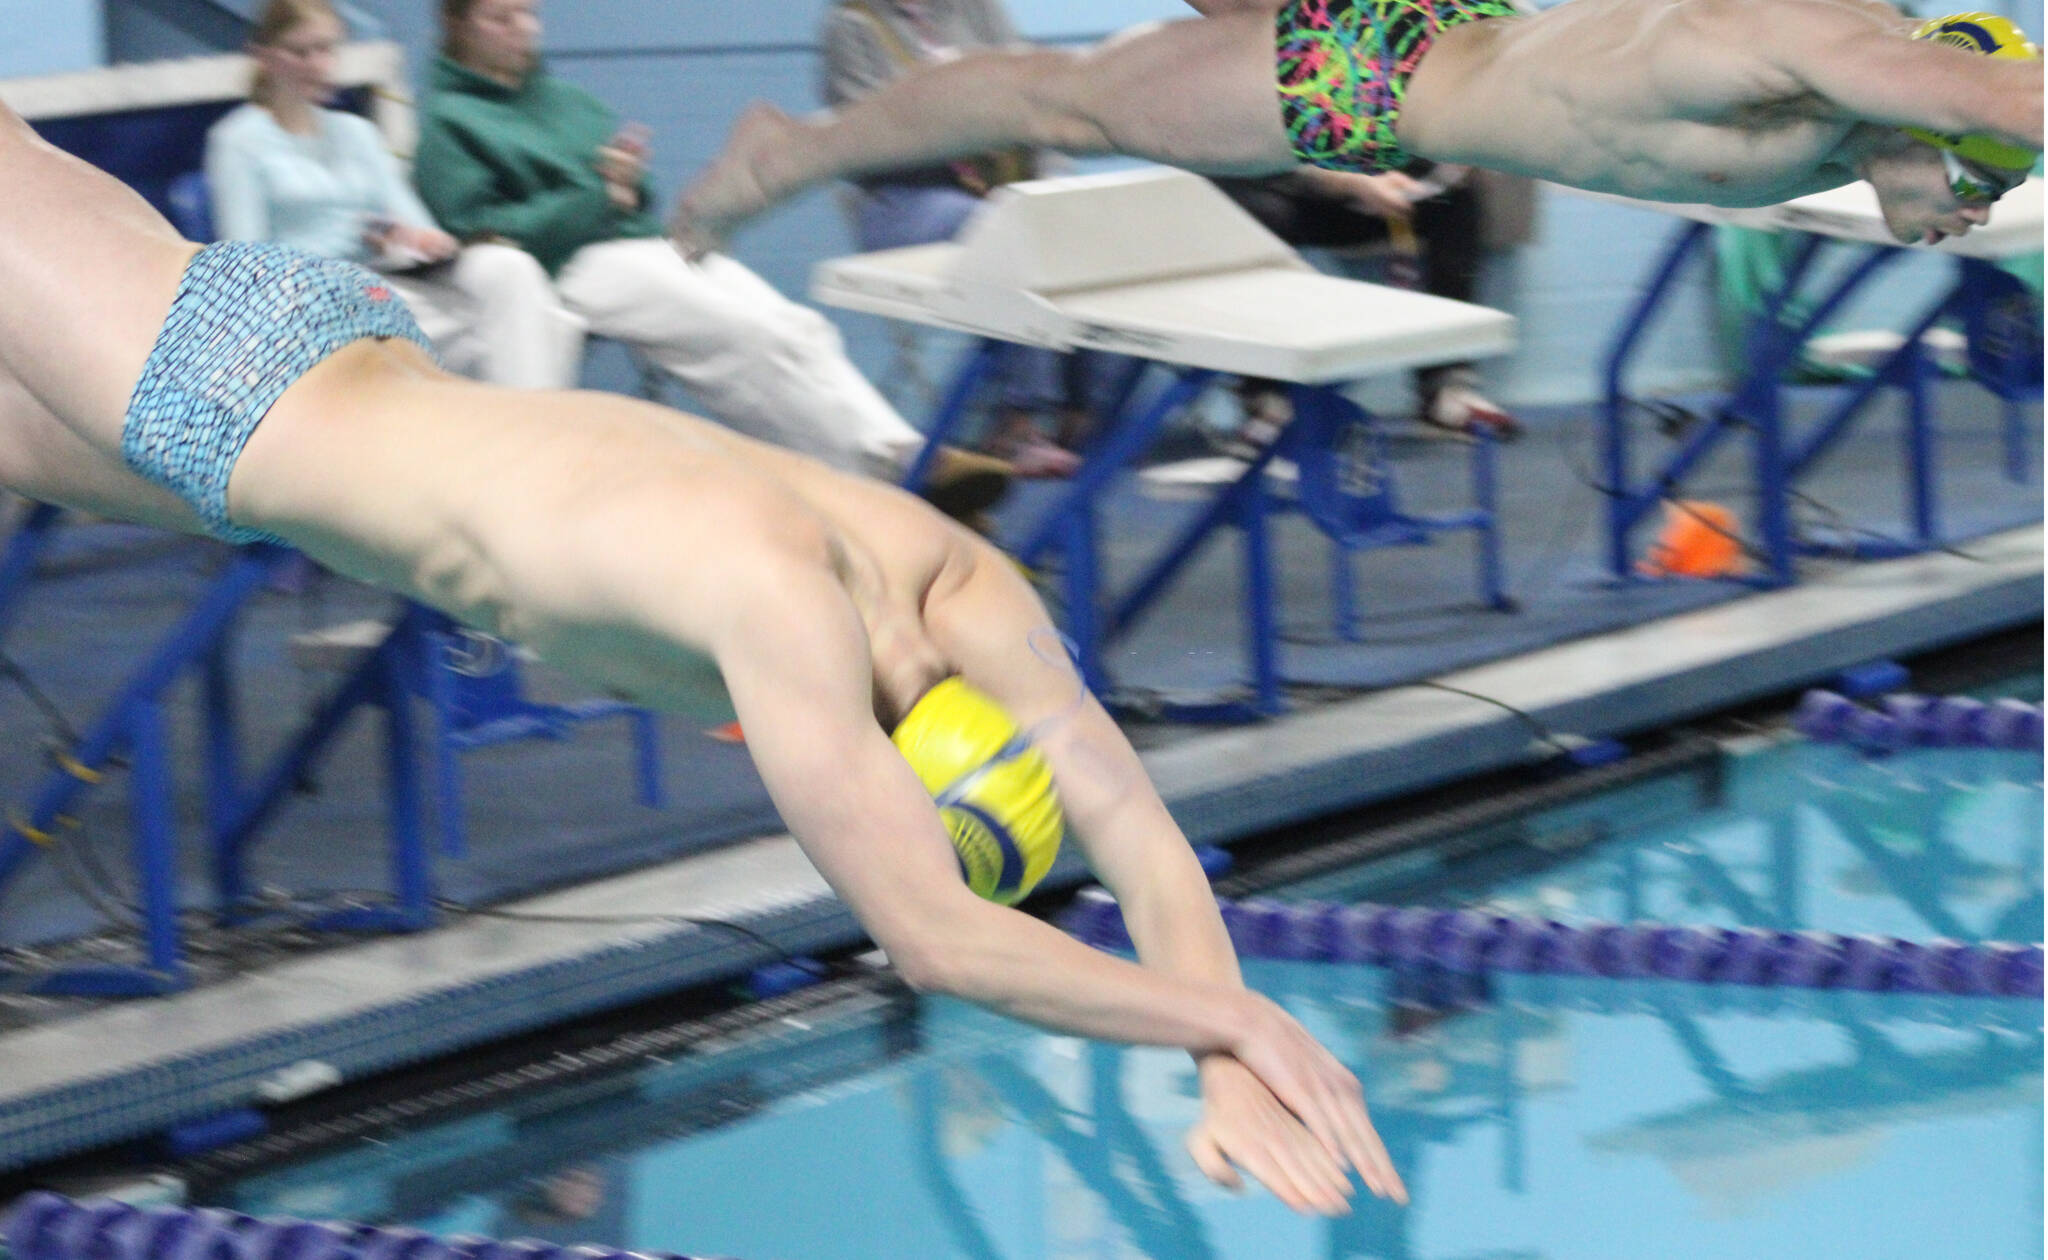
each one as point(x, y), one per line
point(1564, 535)
point(1673, 420)
point(1542, 732)
point(1327, 692)
point(96, 886)
point(1841, 522)
point(89, 880)
point(20, 975)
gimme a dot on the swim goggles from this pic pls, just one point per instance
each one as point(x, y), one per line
point(1973, 186)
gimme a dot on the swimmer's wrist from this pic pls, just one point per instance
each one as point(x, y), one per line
point(1210, 1064)
point(1239, 1014)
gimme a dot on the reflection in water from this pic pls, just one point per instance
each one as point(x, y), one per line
point(1793, 1126)
point(1532, 1116)
point(580, 1203)
point(1741, 1097)
point(1934, 844)
point(1839, 1073)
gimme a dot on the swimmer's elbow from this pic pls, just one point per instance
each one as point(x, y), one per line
point(952, 953)
point(923, 973)
point(922, 962)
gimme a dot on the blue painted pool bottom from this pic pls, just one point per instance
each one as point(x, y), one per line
point(1558, 1117)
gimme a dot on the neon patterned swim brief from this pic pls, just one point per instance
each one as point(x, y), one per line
point(1344, 67)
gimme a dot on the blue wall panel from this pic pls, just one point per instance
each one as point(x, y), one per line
point(50, 36)
point(682, 25)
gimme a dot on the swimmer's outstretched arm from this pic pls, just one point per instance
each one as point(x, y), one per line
point(986, 620)
point(795, 660)
point(1863, 60)
point(1197, 93)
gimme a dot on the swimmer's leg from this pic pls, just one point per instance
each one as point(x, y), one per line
point(44, 459)
point(87, 273)
point(1198, 93)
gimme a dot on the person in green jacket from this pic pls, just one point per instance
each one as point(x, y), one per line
point(509, 152)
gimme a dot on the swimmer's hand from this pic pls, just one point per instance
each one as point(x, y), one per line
point(1391, 195)
point(1322, 1093)
point(1244, 1126)
point(412, 244)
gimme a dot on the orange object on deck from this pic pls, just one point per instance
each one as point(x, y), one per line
point(1700, 539)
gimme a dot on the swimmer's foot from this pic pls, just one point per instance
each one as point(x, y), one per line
point(743, 180)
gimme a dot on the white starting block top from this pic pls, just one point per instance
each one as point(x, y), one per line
point(1159, 264)
point(1850, 213)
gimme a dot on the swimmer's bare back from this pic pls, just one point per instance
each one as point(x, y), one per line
point(530, 513)
point(1676, 102)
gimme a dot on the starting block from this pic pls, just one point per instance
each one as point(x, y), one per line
point(1159, 265)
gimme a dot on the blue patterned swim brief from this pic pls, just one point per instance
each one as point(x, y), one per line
point(249, 320)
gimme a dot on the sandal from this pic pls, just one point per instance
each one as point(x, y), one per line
point(1039, 457)
point(1459, 408)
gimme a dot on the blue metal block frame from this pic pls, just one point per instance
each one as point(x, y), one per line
point(413, 659)
point(1779, 459)
point(1069, 528)
point(473, 682)
point(134, 724)
point(380, 679)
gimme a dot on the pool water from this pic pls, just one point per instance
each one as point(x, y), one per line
point(1783, 834)
point(1554, 1118)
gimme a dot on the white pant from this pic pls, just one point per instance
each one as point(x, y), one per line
point(494, 315)
point(756, 360)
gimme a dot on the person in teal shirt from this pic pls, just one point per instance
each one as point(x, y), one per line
point(284, 167)
point(509, 152)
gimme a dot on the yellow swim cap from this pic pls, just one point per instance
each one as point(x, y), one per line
point(993, 789)
point(1994, 36)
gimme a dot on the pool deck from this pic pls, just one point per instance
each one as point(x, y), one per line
point(127, 1070)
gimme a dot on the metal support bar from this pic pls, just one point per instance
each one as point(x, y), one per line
point(1622, 515)
point(156, 837)
point(255, 806)
point(1772, 348)
point(953, 408)
point(18, 561)
point(1226, 508)
point(172, 655)
point(1125, 437)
